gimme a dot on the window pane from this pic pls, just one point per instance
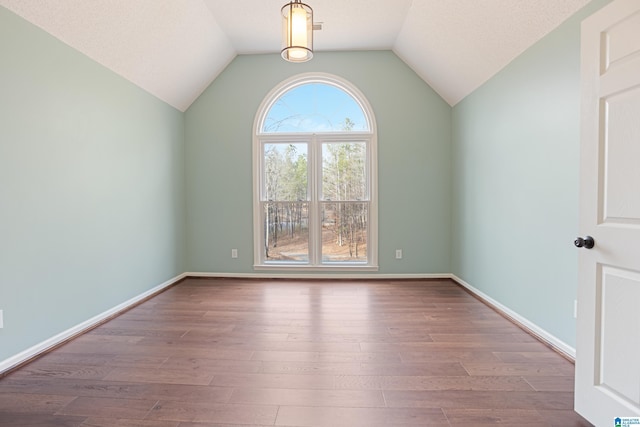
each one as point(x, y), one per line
point(286, 232)
point(315, 107)
point(344, 232)
point(343, 171)
point(285, 172)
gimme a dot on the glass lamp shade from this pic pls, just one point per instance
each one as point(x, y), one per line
point(297, 32)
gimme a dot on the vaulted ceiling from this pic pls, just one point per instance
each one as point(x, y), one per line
point(175, 48)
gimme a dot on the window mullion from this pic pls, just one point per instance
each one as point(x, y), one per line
point(315, 178)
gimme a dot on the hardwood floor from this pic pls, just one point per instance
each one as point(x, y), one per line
point(217, 352)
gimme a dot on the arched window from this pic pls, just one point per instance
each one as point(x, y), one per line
point(315, 176)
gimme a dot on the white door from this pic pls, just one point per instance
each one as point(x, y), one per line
point(608, 334)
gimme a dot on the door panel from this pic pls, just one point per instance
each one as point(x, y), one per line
point(619, 341)
point(616, 40)
point(622, 156)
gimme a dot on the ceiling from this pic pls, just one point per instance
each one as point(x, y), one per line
point(175, 48)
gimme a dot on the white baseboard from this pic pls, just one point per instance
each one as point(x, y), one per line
point(557, 344)
point(42, 347)
point(327, 275)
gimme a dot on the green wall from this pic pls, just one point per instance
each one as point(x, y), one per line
point(515, 184)
point(91, 188)
point(414, 160)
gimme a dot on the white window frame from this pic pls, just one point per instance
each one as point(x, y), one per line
point(314, 162)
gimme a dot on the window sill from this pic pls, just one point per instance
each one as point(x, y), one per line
point(304, 267)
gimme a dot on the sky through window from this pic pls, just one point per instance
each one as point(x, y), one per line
point(315, 107)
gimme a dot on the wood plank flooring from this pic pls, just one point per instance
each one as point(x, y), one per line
point(222, 352)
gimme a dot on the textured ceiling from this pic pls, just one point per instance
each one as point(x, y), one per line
point(456, 45)
point(175, 48)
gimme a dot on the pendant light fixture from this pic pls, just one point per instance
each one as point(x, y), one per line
point(297, 32)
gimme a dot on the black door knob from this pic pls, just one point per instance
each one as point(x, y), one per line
point(587, 242)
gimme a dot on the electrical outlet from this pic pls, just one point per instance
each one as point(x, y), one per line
point(234, 253)
point(1, 320)
point(398, 253)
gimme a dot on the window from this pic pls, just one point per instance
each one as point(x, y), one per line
point(315, 177)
